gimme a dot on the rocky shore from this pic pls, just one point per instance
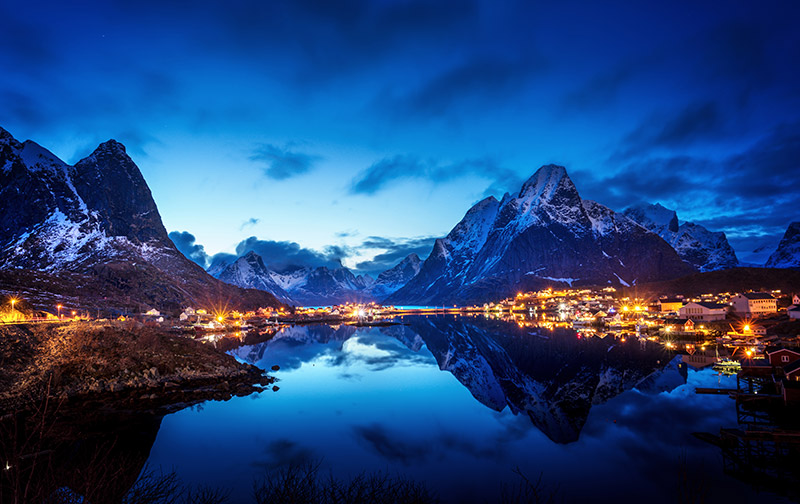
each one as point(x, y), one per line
point(118, 365)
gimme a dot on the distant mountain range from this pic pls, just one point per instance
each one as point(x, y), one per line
point(315, 286)
point(91, 235)
point(544, 235)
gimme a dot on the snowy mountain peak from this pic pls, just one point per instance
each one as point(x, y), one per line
point(788, 253)
point(654, 217)
point(548, 181)
point(706, 250)
point(547, 232)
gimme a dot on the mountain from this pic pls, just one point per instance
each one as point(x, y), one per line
point(545, 233)
point(393, 279)
point(788, 253)
point(705, 250)
point(315, 286)
point(91, 235)
point(301, 286)
point(250, 272)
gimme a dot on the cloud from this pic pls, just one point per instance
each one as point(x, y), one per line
point(284, 255)
point(284, 452)
point(480, 77)
point(282, 163)
point(381, 173)
point(397, 448)
point(252, 221)
point(395, 250)
point(746, 194)
point(695, 123)
point(185, 242)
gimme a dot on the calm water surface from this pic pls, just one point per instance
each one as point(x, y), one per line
point(460, 404)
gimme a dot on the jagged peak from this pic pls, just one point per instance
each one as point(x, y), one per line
point(250, 255)
point(8, 138)
point(547, 182)
point(111, 146)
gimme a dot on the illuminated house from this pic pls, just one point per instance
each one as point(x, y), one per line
point(670, 304)
point(703, 311)
point(754, 303)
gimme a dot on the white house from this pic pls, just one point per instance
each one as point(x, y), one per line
point(754, 303)
point(794, 313)
point(153, 313)
point(703, 311)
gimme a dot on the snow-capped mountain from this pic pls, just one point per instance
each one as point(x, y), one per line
point(324, 286)
point(98, 222)
point(300, 286)
point(249, 271)
point(705, 250)
point(392, 279)
point(545, 233)
point(315, 286)
point(788, 253)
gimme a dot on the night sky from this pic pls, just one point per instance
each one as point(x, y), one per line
point(316, 131)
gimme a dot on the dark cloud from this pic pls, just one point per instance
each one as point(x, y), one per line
point(284, 255)
point(252, 221)
point(694, 123)
point(748, 194)
point(283, 163)
point(397, 448)
point(395, 250)
point(602, 89)
point(477, 78)
point(381, 173)
point(284, 452)
point(186, 243)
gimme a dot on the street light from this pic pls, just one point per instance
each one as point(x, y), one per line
point(13, 302)
point(59, 310)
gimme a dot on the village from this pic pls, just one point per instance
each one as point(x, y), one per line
point(729, 331)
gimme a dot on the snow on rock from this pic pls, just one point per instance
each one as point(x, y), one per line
point(705, 250)
point(787, 254)
point(545, 228)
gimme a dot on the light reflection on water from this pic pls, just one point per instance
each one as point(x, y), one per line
point(372, 399)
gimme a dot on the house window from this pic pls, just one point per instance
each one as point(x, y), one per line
point(784, 358)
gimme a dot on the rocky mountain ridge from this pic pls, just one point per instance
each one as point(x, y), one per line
point(545, 233)
point(787, 255)
point(95, 223)
point(705, 250)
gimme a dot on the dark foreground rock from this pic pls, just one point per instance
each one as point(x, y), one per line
point(115, 365)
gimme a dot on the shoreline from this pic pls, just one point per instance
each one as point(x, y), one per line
point(116, 366)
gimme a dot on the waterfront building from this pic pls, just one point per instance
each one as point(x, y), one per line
point(754, 303)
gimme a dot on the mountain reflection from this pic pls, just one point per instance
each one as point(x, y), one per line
point(552, 376)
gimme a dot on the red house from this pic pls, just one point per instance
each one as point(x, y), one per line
point(780, 357)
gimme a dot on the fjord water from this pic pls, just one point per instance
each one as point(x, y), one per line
point(462, 405)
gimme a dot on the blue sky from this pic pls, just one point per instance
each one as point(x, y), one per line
point(358, 130)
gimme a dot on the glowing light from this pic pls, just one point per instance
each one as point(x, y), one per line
point(625, 308)
point(746, 327)
point(220, 318)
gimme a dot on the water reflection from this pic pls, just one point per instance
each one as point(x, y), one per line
point(551, 375)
